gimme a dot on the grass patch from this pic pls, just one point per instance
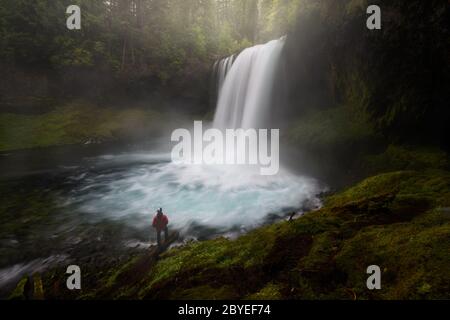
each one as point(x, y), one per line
point(71, 124)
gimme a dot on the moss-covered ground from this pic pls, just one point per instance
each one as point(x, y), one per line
point(75, 123)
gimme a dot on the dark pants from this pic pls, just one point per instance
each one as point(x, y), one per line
point(158, 235)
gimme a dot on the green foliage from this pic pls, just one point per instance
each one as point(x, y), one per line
point(433, 184)
point(413, 260)
point(386, 75)
point(397, 157)
point(71, 124)
point(19, 291)
point(332, 128)
point(122, 43)
point(34, 33)
point(270, 292)
point(277, 17)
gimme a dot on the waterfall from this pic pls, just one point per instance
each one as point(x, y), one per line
point(246, 86)
point(221, 68)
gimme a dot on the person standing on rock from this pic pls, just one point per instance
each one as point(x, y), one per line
point(160, 222)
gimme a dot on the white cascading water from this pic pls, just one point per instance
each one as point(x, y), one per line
point(221, 68)
point(246, 91)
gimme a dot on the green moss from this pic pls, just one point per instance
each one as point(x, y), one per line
point(373, 186)
point(71, 124)
point(397, 157)
point(412, 184)
point(270, 292)
point(19, 291)
point(413, 261)
point(169, 267)
point(315, 223)
point(245, 252)
point(324, 248)
point(38, 293)
point(115, 273)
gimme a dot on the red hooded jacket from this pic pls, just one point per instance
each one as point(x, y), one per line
point(160, 223)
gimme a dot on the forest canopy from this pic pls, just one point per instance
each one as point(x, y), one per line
point(146, 51)
point(126, 47)
point(145, 36)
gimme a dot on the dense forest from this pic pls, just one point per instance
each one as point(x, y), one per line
point(126, 47)
point(135, 51)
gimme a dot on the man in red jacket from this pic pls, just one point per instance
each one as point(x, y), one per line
point(160, 222)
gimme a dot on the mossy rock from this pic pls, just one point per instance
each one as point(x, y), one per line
point(413, 261)
point(19, 292)
point(270, 292)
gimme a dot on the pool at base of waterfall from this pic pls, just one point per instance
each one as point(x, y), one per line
point(221, 197)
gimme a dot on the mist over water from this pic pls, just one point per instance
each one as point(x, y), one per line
point(218, 197)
